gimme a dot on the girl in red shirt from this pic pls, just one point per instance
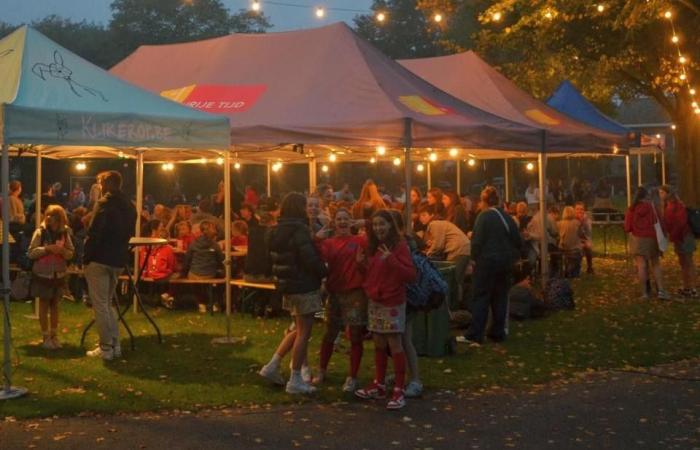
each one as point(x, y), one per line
point(347, 305)
point(640, 219)
point(679, 232)
point(388, 268)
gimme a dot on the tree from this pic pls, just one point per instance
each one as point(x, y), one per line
point(147, 22)
point(615, 48)
point(405, 33)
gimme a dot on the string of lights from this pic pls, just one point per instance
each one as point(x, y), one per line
point(683, 61)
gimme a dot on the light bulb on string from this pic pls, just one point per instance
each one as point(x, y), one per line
point(320, 12)
point(530, 166)
point(454, 152)
point(381, 150)
point(437, 17)
point(675, 39)
point(673, 127)
point(497, 16)
point(683, 77)
point(433, 157)
point(548, 15)
point(324, 168)
point(600, 8)
point(668, 14)
point(692, 91)
point(255, 6)
point(332, 157)
point(682, 59)
point(381, 17)
point(420, 167)
point(372, 160)
point(397, 161)
point(471, 162)
point(237, 165)
point(220, 161)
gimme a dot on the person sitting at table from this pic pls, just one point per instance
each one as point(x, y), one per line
point(570, 235)
point(446, 242)
point(181, 213)
point(522, 216)
point(184, 235)
point(535, 232)
point(204, 258)
point(435, 203)
point(239, 234)
point(161, 264)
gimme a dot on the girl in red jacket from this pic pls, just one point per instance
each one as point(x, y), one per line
point(162, 262)
point(347, 305)
point(388, 268)
point(640, 219)
point(679, 232)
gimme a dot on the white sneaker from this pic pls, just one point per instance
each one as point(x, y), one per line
point(299, 387)
point(272, 373)
point(350, 385)
point(414, 389)
point(306, 374)
point(106, 354)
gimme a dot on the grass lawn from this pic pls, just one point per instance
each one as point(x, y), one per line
point(610, 328)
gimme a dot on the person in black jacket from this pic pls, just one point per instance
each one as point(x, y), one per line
point(106, 254)
point(298, 271)
point(495, 247)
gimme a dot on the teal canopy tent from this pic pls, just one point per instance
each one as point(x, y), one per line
point(51, 97)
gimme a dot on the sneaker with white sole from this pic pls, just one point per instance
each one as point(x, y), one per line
point(299, 387)
point(306, 374)
point(397, 401)
point(106, 353)
point(414, 389)
point(663, 295)
point(272, 373)
point(350, 385)
point(374, 391)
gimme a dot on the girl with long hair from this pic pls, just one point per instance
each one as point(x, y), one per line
point(435, 203)
point(369, 202)
point(454, 211)
point(388, 268)
point(675, 218)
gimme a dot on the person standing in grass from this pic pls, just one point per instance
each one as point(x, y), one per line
point(106, 255)
point(298, 270)
point(640, 219)
point(388, 269)
point(347, 305)
point(51, 248)
point(679, 232)
point(586, 235)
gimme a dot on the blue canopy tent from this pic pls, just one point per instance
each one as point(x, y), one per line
point(568, 100)
point(51, 98)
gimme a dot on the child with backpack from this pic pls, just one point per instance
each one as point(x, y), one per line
point(50, 250)
point(347, 305)
point(388, 268)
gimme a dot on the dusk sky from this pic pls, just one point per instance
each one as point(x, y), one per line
point(282, 17)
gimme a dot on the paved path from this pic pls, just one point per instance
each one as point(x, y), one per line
point(612, 410)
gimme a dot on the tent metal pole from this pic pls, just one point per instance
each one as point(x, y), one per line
point(628, 170)
point(639, 169)
point(37, 214)
point(458, 189)
point(137, 231)
point(429, 175)
point(544, 240)
point(227, 240)
point(663, 168)
point(269, 178)
point(506, 179)
point(407, 144)
point(312, 175)
point(8, 392)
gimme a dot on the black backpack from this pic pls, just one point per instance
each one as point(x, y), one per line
point(694, 221)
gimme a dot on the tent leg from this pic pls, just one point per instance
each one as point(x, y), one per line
point(37, 218)
point(506, 179)
point(639, 169)
point(544, 259)
point(137, 232)
point(408, 143)
point(269, 178)
point(312, 175)
point(8, 391)
point(628, 170)
point(458, 188)
point(429, 175)
point(227, 254)
point(663, 168)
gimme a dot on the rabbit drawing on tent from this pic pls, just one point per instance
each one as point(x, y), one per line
point(56, 69)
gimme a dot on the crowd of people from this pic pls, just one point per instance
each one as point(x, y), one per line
point(351, 259)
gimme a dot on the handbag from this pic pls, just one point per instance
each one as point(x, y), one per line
point(21, 288)
point(661, 238)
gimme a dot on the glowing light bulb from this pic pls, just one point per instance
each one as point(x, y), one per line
point(437, 17)
point(471, 162)
point(601, 8)
point(695, 104)
point(658, 136)
point(320, 12)
point(497, 16)
point(433, 157)
point(682, 59)
point(324, 168)
point(454, 152)
point(673, 127)
point(692, 91)
point(332, 157)
point(675, 39)
point(220, 161)
point(668, 14)
point(548, 15)
point(381, 150)
point(237, 165)
point(255, 6)
point(397, 161)
point(530, 166)
point(682, 77)
point(381, 17)
point(80, 166)
point(203, 161)
point(420, 167)
point(373, 160)
point(697, 110)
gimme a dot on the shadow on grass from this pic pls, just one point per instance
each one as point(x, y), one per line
point(66, 352)
point(185, 358)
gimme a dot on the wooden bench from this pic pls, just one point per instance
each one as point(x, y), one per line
point(248, 289)
point(211, 283)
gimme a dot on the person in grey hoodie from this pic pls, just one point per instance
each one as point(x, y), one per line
point(204, 258)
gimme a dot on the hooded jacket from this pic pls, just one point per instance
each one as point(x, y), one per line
point(296, 263)
point(640, 220)
point(109, 233)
